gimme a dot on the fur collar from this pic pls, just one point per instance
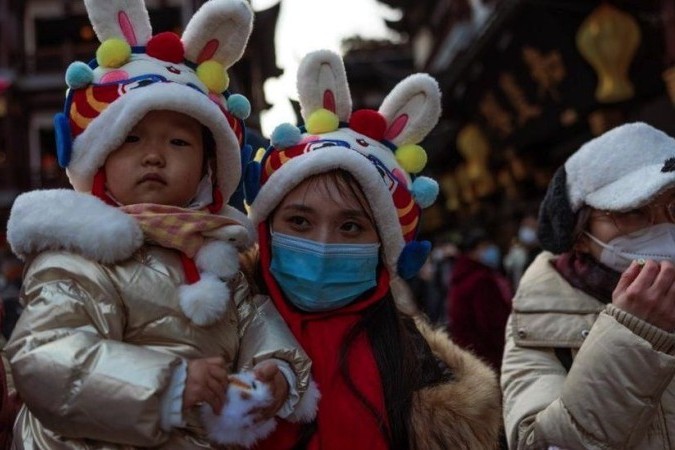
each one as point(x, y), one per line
point(61, 219)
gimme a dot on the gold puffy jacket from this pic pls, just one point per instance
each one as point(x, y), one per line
point(95, 347)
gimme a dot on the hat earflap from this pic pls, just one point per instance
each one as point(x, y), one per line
point(556, 217)
point(412, 258)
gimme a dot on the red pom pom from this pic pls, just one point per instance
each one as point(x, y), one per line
point(166, 46)
point(368, 122)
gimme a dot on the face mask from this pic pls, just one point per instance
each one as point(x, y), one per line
point(527, 235)
point(656, 242)
point(490, 256)
point(319, 277)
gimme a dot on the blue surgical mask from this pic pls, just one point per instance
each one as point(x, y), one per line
point(315, 276)
point(491, 256)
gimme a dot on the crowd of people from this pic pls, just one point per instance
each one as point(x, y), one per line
point(152, 310)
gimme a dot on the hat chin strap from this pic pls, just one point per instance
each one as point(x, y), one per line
point(98, 188)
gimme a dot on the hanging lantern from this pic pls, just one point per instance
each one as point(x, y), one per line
point(608, 39)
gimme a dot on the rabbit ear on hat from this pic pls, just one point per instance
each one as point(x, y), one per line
point(129, 22)
point(557, 220)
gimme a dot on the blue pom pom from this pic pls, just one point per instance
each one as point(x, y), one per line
point(239, 106)
point(425, 191)
point(79, 75)
point(285, 135)
point(64, 142)
point(412, 258)
point(251, 181)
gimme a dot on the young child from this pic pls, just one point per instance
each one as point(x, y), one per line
point(135, 311)
point(337, 214)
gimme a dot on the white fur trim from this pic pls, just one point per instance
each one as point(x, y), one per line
point(306, 409)
point(251, 235)
point(62, 219)
point(379, 198)
point(104, 17)
point(236, 424)
point(109, 130)
point(205, 301)
point(230, 22)
point(219, 258)
point(417, 97)
point(621, 169)
point(319, 72)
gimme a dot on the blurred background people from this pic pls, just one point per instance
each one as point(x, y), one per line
point(479, 297)
point(524, 248)
point(10, 286)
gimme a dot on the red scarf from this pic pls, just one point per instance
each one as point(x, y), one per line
point(343, 421)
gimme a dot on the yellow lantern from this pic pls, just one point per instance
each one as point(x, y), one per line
point(608, 39)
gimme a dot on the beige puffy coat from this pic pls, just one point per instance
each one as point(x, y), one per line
point(619, 393)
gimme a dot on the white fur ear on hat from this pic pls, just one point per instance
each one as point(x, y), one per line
point(322, 83)
point(123, 19)
point(219, 30)
point(412, 109)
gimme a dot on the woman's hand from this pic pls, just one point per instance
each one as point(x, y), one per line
point(268, 372)
point(647, 291)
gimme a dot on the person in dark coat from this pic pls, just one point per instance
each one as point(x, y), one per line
point(479, 298)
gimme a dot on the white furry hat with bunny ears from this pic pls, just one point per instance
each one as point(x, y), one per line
point(135, 72)
point(379, 148)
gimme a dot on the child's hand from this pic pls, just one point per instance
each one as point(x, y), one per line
point(268, 372)
point(206, 382)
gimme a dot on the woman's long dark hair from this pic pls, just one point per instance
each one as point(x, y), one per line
point(398, 366)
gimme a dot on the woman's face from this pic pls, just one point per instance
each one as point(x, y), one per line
point(326, 209)
point(607, 225)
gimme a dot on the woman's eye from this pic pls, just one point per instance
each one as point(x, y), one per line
point(351, 227)
point(298, 221)
point(132, 138)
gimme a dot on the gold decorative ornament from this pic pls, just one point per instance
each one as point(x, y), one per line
point(608, 39)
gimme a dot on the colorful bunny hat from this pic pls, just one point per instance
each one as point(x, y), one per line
point(135, 72)
point(379, 148)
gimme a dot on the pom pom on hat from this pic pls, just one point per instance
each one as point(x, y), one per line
point(166, 46)
point(285, 135)
point(239, 106)
point(113, 53)
point(412, 158)
point(413, 256)
point(322, 121)
point(213, 75)
point(79, 75)
point(425, 191)
point(368, 122)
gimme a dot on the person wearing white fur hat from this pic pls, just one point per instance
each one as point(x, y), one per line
point(590, 352)
point(137, 320)
point(337, 204)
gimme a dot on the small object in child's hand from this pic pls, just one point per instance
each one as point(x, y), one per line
point(237, 422)
point(640, 262)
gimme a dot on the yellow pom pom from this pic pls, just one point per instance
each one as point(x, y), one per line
point(412, 158)
point(113, 53)
point(213, 75)
point(322, 121)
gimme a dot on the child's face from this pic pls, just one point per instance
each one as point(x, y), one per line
point(320, 211)
point(160, 162)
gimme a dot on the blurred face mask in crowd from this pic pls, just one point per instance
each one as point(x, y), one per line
point(527, 235)
point(656, 242)
point(491, 256)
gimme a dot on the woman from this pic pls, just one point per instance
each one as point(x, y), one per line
point(590, 353)
point(337, 214)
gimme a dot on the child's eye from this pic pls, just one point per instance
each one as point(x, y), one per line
point(180, 142)
point(132, 138)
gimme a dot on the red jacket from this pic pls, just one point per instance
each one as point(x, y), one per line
point(479, 303)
